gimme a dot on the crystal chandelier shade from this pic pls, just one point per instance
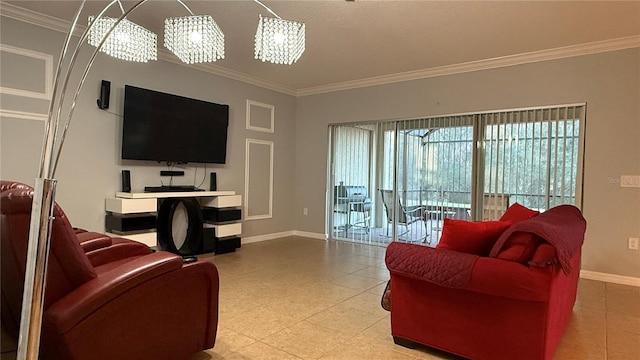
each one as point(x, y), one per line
point(279, 41)
point(194, 39)
point(128, 41)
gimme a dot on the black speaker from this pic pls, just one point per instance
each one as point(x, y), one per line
point(213, 182)
point(126, 181)
point(105, 90)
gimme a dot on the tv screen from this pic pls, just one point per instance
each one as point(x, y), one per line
point(170, 128)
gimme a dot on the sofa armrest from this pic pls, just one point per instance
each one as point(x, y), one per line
point(84, 300)
point(439, 266)
point(170, 314)
point(119, 249)
point(90, 240)
point(469, 272)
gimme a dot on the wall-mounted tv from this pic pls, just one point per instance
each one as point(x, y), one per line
point(170, 128)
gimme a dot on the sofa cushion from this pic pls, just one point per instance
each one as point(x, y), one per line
point(519, 247)
point(545, 255)
point(517, 212)
point(471, 237)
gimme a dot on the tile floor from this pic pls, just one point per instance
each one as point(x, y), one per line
point(297, 298)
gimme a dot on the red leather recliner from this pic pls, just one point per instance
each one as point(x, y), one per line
point(486, 307)
point(99, 247)
point(146, 306)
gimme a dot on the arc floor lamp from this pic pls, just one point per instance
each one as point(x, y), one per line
point(277, 40)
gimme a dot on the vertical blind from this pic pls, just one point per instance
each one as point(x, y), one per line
point(352, 155)
point(531, 157)
point(350, 168)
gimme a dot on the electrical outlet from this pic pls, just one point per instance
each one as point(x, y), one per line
point(630, 181)
point(633, 243)
point(305, 211)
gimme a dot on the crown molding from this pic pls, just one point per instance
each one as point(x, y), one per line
point(486, 64)
point(38, 19)
point(236, 75)
point(24, 115)
point(166, 55)
point(53, 23)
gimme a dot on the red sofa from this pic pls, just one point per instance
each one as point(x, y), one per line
point(490, 306)
point(117, 304)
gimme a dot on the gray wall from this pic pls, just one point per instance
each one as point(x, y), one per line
point(90, 166)
point(607, 82)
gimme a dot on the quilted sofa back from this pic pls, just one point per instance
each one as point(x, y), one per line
point(68, 267)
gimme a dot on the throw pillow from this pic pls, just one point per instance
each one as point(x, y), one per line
point(517, 212)
point(471, 237)
point(519, 247)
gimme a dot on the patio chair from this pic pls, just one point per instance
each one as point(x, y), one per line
point(407, 216)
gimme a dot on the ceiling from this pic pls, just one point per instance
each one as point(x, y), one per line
point(351, 41)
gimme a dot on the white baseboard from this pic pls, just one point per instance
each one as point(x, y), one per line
point(610, 278)
point(309, 235)
point(258, 238)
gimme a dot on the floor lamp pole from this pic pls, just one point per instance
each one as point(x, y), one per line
point(36, 269)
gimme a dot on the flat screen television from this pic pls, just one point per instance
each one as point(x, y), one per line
point(170, 128)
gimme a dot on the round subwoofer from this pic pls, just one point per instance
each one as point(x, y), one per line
point(180, 226)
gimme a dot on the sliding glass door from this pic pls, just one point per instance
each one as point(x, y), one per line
point(399, 180)
point(434, 171)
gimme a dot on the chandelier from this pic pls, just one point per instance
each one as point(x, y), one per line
point(128, 41)
point(279, 41)
point(195, 38)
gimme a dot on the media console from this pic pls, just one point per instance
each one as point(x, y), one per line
point(184, 222)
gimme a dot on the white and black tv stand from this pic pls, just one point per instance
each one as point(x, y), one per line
point(213, 220)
